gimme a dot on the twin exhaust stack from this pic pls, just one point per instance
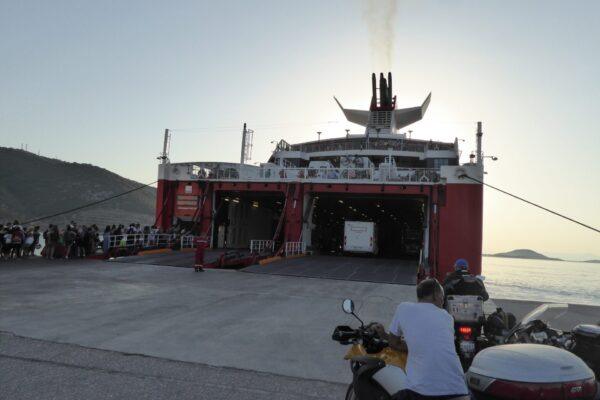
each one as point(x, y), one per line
point(382, 117)
point(386, 101)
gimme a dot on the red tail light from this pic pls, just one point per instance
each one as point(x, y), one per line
point(548, 391)
point(525, 391)
point(580, 389)
point(466, 332)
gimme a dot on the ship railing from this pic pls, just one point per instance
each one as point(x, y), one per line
point(294, 248)
point(273, 173)
point(374, 144)
point(262, 246)
point(392, 174)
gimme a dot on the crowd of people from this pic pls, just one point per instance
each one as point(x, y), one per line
point(77, 241)
point(17, 241)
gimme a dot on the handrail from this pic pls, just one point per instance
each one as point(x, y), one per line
point(294, 248)
point(146, 241)
point(260, 246)
point(272, 173)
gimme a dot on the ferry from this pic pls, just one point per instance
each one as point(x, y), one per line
point(426, 205)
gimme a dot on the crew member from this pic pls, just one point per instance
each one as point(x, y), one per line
point(461, 282)
point(426, 330)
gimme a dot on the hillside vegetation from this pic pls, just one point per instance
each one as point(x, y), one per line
point(32, 186)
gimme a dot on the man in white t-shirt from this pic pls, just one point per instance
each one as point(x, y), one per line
point(433, 369)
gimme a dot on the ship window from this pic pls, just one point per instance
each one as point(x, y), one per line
point(438, 162)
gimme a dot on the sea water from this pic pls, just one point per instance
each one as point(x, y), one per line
point(542, 280)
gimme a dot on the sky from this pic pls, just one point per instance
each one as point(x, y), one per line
point(99, 81)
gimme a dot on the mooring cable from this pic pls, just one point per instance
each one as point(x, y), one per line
point(531, 203)
point(89, 204)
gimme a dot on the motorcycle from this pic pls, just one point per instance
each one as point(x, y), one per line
point(377, 369)
point(583, 340)
point(469, 319)
point(533, 361)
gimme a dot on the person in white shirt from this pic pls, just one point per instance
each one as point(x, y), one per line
point(426, 330)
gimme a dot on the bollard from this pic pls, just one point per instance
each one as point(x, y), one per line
point(200, 244)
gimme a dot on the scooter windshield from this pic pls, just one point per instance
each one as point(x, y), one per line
point(545, 312)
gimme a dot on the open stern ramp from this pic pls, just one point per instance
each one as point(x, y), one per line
point(350, 268)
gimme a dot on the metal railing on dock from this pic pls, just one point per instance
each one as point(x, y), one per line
point(294, 248)
point(143, 241)
point(261, 246)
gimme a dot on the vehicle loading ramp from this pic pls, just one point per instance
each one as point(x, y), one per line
point(172, 258)
point(362, 269)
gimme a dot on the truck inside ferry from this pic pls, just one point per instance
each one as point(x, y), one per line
point(399, 223)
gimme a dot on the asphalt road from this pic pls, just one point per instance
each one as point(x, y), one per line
point(250, 326)
point(267, 323)
point(36, 369)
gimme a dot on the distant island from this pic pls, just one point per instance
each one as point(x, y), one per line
point(523, 253)
point(528, 254)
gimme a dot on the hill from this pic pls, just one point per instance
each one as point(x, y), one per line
point(524, 253)
point(32, 186)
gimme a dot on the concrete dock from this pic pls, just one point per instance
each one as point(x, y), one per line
point(80, 320)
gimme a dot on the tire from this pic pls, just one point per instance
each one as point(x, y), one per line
point(350, 395)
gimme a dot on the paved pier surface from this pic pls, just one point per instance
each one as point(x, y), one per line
point(257, 322)
point(362, 269)
point(272, 324)
point(33, 369)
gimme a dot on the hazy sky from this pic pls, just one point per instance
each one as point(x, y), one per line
point(98, 81)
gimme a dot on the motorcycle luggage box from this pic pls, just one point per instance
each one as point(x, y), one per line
point(587, 332)
point(587, 345)
point(466, 309)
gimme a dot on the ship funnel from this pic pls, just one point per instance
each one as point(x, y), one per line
point(374, 86)
point(382, 91)
point(383, 102)
point(389, 94)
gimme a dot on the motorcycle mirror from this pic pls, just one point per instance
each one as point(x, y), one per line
point(348, 306)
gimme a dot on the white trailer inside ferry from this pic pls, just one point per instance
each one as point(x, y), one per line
point(360, 237)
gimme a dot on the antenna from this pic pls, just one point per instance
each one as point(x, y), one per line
point(164, 156)
point(247, 136)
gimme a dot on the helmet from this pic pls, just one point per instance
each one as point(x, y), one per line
point(461, 264)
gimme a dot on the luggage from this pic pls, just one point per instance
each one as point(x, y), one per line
point(465, 309)
point(587, 345)
point(498, 324)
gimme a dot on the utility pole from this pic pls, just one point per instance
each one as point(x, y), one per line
point(319, 133)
